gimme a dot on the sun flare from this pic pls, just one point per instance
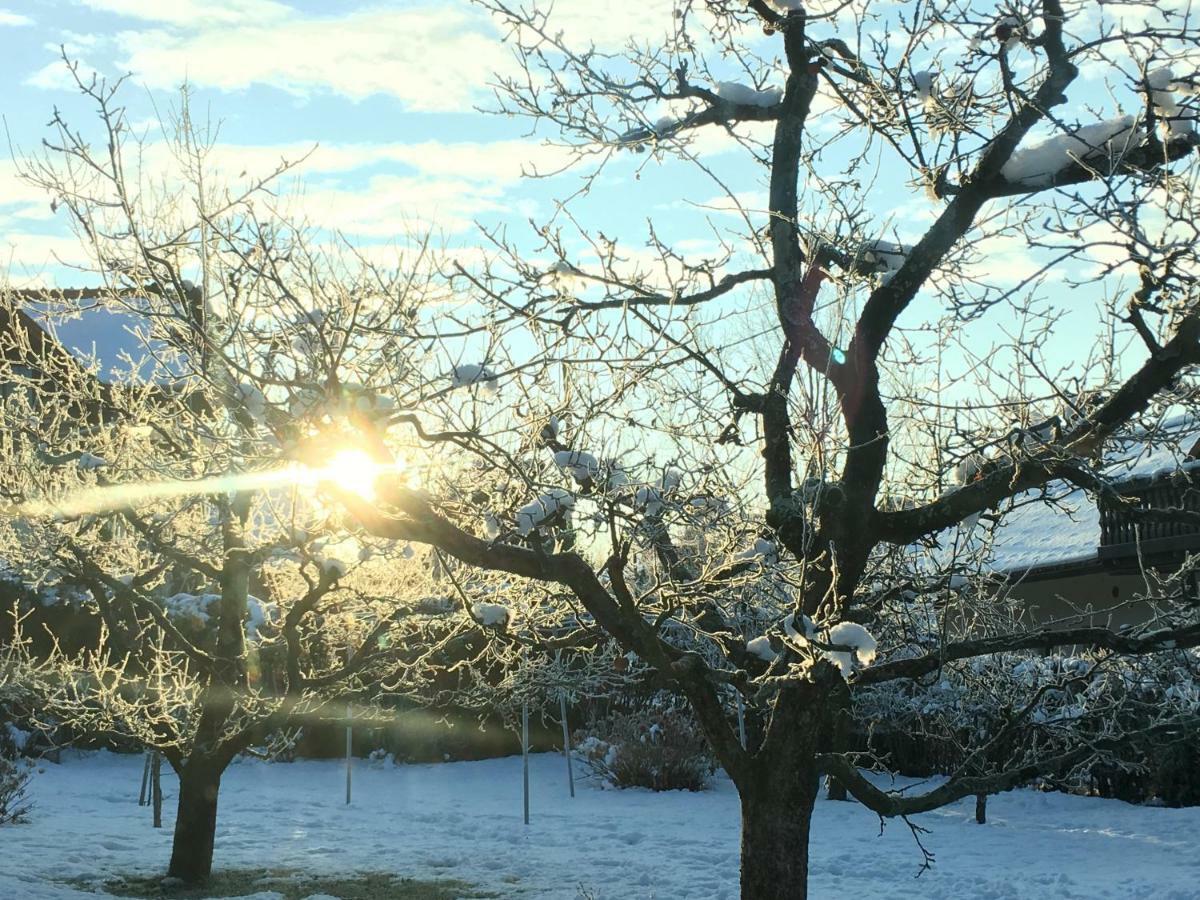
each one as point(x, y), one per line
point(355, 471)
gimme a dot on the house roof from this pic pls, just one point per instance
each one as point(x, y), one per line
point(1059, 526)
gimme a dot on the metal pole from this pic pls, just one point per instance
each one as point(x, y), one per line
point(562, 709)
point(741, 713)
point(349, 735)
point(525, 755)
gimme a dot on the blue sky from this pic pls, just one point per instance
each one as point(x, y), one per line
point(386, 91)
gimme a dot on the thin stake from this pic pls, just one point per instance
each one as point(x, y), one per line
point(143, 799)
point(741, 711)
point(156, 788)
point(525, 755)
point(562, 708)
point(349, 734)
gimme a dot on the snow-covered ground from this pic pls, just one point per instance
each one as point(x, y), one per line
point(463, 820)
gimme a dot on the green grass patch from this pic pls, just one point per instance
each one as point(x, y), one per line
point(294, 885)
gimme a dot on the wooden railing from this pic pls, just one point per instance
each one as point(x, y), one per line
point(1121, 527)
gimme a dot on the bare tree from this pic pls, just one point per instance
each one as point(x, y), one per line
point(182, 500)
point(770, 510)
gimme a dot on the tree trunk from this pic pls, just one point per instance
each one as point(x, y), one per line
point(835, 790)
point(195, 821)
point(776, 815)
point(981, 809)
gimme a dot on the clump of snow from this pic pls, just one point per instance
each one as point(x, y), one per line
point(671, 479)
point(259, 614)
point(581, 466)
point(306, 401)
point(649, 500)
point(617, 480)
point(1163, 86)
point(862, 643)
point(191, 607)
point(744, 95)
point(18, 737)
point(90, 461)
point(564, 276)
point(491, 614)
point(472, 374)
point(664, 124)
point(491, 526)
point(1009, 31)
point(335, 557)
point(635, 135)
point(553, 503)
point(369, 402)
point(763, 551)
point(1036, 166)
point(761, 647)
point(884, 257)
point(335, 568)
point(923, 82)
point(807, 631)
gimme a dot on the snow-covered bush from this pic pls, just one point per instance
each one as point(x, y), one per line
point(1023, 704)
point(658, 746)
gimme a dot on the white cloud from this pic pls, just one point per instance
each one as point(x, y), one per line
point(611, 23)
point(31, 255)
point(19, 198)
point(432, 58)
point(390, 206)
point(14, 19)
point(195, 13)
point(469, 161)
point(427, 185)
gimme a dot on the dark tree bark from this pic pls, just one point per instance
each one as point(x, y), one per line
point(981, 809)
point(779, 785)
point(195, 821)
point(841, 742)
point(776, 817)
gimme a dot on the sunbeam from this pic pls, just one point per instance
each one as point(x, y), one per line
point(348, 469)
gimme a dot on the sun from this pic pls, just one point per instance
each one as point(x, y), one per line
point(354, 471)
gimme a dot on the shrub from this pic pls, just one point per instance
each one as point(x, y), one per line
point(656, 747)
point(14, 778)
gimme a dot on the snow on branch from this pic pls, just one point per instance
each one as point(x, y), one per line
point(473, 374)
point(553, 504)
point(743, 95)
point(1036, 166)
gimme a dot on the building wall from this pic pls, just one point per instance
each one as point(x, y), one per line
point(1109, 596)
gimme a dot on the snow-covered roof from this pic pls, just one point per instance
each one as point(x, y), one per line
point(1038, 533)
point(1060, 525)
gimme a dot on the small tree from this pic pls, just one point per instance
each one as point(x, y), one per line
point(183, 500)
